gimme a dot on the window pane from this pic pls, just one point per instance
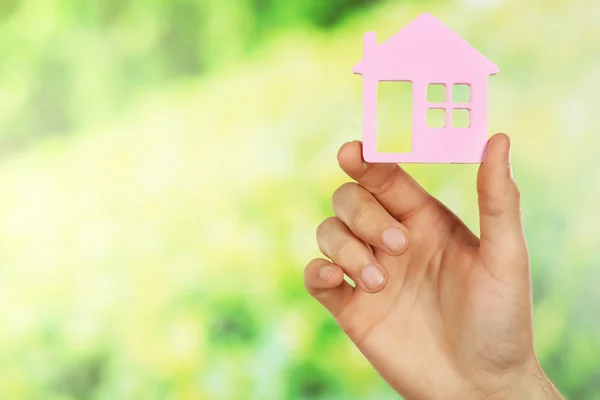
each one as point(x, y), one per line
point(436, 93)
point(461, 118)
point(461, 93)
point(436, 117)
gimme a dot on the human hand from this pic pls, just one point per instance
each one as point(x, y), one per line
point(437, 311)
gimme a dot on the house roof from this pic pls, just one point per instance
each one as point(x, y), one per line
point(424, 42)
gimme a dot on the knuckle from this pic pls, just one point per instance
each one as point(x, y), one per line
point(348, 189)
point(326, 226)
point(491, 201)
point(496, 199)
point(353, 205)
point(363, 216)
point(494, 206)
point(310, 267)
point(324, 235)
point(386, 182)
point(344, 250)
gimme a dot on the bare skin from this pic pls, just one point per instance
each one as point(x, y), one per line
point(437, 311)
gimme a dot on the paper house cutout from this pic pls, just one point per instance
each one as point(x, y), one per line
point(427, 52)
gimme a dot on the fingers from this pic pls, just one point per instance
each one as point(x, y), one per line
point(499, 203)
point(368, 220)
point(325, 282)
point(392, 187)
point(338, 243)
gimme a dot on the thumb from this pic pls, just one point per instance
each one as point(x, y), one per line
point(502, 238)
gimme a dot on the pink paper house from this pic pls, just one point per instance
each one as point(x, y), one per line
point(427, 52)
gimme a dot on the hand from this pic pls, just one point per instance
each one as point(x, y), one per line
point(439, 313)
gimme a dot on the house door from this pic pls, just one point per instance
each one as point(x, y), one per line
point(394, 116)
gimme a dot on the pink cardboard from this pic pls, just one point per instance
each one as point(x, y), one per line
point(428, 52)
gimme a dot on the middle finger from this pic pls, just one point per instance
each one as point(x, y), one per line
point(368, 219)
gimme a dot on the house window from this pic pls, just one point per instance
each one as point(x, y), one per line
point(436, 118)
point(461, 118)
point(448, 105)
point(436, 93)
point(461, 93)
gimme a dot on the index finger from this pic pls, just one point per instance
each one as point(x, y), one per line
point(395, 189)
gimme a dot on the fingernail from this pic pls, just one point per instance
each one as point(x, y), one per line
point(394, 239)
point(371, 277)
point(326, 271)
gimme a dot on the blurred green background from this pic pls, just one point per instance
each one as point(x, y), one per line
point(164, 165)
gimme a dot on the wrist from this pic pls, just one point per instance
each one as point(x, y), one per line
point(531, 384)
point(542, 388)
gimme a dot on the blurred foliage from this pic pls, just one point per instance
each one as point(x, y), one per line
point(174, 159)
point(71, 63)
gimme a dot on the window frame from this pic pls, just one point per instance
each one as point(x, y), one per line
point(449, 105)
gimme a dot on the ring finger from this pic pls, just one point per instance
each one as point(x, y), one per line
point(338, 243)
